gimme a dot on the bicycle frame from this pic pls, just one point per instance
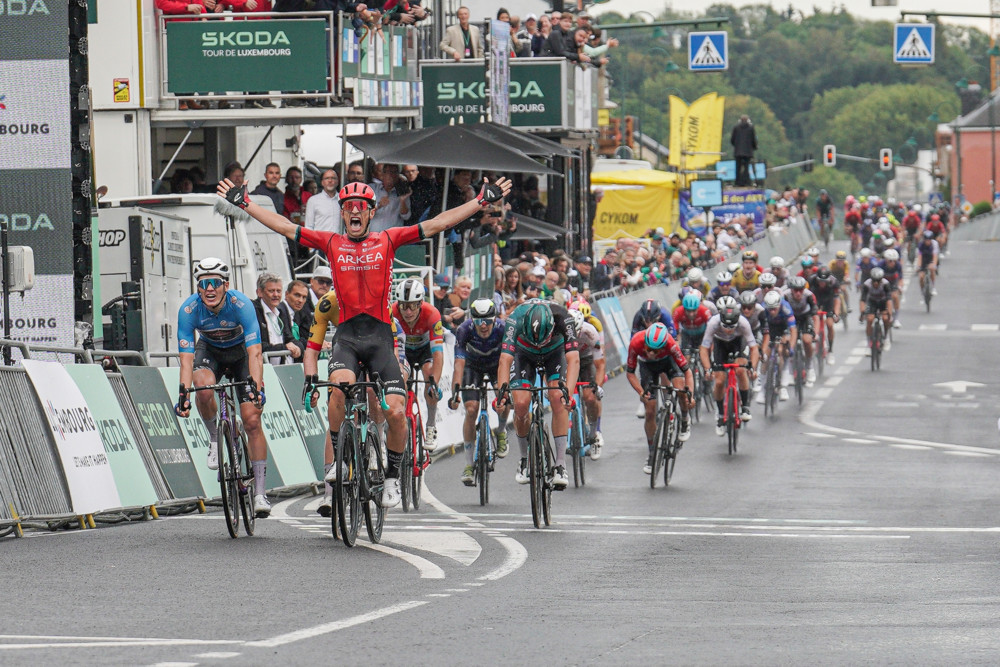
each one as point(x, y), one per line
point(731, 406)
point(415, 460)
point(541, 457)
point(578, 425)
point(666, 441)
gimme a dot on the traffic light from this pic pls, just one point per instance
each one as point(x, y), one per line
point(885, 159)
point(616, 130)
point(629, 126)
point(829, 155)
point(808, 159)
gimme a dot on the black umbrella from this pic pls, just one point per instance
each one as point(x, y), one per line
point(533, 229)
point(453, 146)
point(528, 144)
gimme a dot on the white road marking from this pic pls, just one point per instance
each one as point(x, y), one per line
point(967, 454)
point(860, 441)
point(439, 595)
point(517, 556)
point(218, 655)
point(911, 447)
point(115, 643)
point(455, 545)
point(845, 369)
point(175, 664)
point(932, 327)
point(820, 435)
point(335, 626)
point(985, 327)
point(427, 569)
point(897, 404)
point(822, 392)
point(833, 381)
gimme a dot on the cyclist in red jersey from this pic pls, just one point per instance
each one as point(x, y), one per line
point(361, 262)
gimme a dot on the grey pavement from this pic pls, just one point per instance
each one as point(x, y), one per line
point(860, 528)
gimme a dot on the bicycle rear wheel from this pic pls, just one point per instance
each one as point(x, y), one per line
point(228, 479)
point(576, 447)
point(347, 488)
point(927, 292)
point(820, 354)
point(658, 452)
point(246, 485)
point(483, 452)
point(669, 445)
point(732, 426)
point(374, 488)
point(698, 379)
point(799, 366)
point(406, 468)
point(547, 480)
point(418, 472)
point(536, 473)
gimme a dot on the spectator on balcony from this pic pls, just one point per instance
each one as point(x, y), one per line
point(269, 187)
point(234, 172)
point(425, 202)
point(188, 7)
point(295, 196)
point(520, 44)
point(593, 46)
point(529, 27)
point(463, 40)
point(540, 35)
point(323, 209)
point(580, 38)
point(248, 6)
point(392, 197)
point(561, 43)
point(291, 6)
point(356, 172)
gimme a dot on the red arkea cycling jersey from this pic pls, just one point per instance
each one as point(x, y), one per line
point(936, 226)
point(637, 351)
point(362, 268)
point(426, 330)
point(692, 322)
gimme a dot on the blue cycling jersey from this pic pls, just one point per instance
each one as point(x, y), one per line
point(781, 321)
point(480, 353)
point(235, 323)
point(664, 318)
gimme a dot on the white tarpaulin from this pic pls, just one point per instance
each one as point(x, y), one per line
point(85, 464)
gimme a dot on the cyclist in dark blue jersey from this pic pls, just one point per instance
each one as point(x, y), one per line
point(478, 342)
point(229, 345)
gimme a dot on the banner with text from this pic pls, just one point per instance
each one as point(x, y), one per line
point(632, 212)
point(135, 489)
point(311, 425)
point(735, 203)
point(89, 477)
point(155, 408)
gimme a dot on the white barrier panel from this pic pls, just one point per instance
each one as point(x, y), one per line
point(88, 472)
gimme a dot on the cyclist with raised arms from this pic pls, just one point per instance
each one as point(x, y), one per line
point(592, 369)
point(478, 343)
point(229, 345)
point(539, 334)
point(656, 354)
point(727, 336)
point(421, 324)
point(361, 263)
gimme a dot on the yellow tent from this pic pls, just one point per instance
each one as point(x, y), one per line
point(631, 211)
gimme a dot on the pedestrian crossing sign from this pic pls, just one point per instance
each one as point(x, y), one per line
point(708, 51)
point(913, 44)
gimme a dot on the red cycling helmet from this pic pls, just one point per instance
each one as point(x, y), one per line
point(361, 191)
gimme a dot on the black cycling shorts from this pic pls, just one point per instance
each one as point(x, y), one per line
point(875, 306)
point(804, 323)
point(418, 357)
point(691, 342)
point(727, 351)
point(649, 371)
point(826, 304)
point(364, 341)
point(588, 372)
point(471, 377)
point(231, 362)
point(523, 372)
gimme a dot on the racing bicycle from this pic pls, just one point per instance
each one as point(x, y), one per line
point(416, 459)
point(666, 442)
point(578, 446)
point(731, 404)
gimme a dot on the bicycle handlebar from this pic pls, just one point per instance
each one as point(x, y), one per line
point(350, 389)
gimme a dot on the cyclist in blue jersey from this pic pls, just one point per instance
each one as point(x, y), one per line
point(229, 345)
point(478, 341)
point(649, 314)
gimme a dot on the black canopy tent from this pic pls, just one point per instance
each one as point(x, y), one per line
point(533, 229)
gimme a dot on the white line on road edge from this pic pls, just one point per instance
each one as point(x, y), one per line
point(834, 380)
point(116, 644)
point(218, 655)
point(517, 555)
point(335, 626)
point(427, 569)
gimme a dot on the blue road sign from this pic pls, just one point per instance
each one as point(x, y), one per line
point(708, 51)
point(935, 197)
point(913, 43)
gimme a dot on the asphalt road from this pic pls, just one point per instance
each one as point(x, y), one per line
point(859, 528)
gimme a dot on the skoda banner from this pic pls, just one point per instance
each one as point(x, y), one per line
point(131, 477)
point(219, 56)
point(86, 466)
point(538, 92)
point(155, 409)
point(283, 436)
point(36, 185)
point(313, 429)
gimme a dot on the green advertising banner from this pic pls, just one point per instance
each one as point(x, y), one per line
point(131, 477)
point(458, 90)
point(283, 436)
point(247, 56)
point(196, 437)
point(155, 409)
point(313, 429)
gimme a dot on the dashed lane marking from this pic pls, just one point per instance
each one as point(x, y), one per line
point(932, 327)
point(967, 454)
point(860, 441)
point(218, 655)
point(823, 392)
point(910, 447)
point(985, 327)
point(846, 368)
point(833, 381)
point(335, 626)
point(817, 434)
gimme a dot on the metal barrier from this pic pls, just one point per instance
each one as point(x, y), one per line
point(31, 480)
point(981, 228)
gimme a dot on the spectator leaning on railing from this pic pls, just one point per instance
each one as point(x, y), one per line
point(463, 40)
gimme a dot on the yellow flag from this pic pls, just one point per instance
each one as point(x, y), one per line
point(633, 212)
point(710, 139)
point(696, 128)
point(678, 110)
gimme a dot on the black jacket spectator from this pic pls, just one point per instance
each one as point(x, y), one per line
point(558, 45)
point(276, 196)
point(304, 319)
point(744, 138)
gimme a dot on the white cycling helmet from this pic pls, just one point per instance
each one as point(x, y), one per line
point(409, 290)
point(211, 266)
point(891, 255)
point(772, 300)
point(734, 267)
point(813, 252)
point(917, 208)
point(695, 275)
point(578, 320)
point(866, 252)
point(768, 280)
point(777, 262)
point(724, 277)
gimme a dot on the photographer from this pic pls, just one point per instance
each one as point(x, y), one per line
point(392, 195)
point(496, 225)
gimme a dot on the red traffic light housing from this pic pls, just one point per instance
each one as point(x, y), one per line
point(885, 159)
point(829, 155)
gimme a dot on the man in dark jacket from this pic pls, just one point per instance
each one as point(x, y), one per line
point(269, 187)
point(607, 273)
point(744, 141)
point(560, 42)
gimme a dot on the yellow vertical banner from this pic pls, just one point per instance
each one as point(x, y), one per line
point(633, 212)
point(678, 111)
point(710, 139)
point(694, 131)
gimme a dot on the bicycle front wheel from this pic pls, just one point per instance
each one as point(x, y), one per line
point(732, 426)
point(800, 371)
point(547, 479)
point(418, 470)
point(536, 473)
point(669, 444)
point(576, 447)
point(484, 447)
point(246, 485)
point(229, 473)
point(698, 380)
point(406, 467)
point(374, 487)
point(347, 488)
